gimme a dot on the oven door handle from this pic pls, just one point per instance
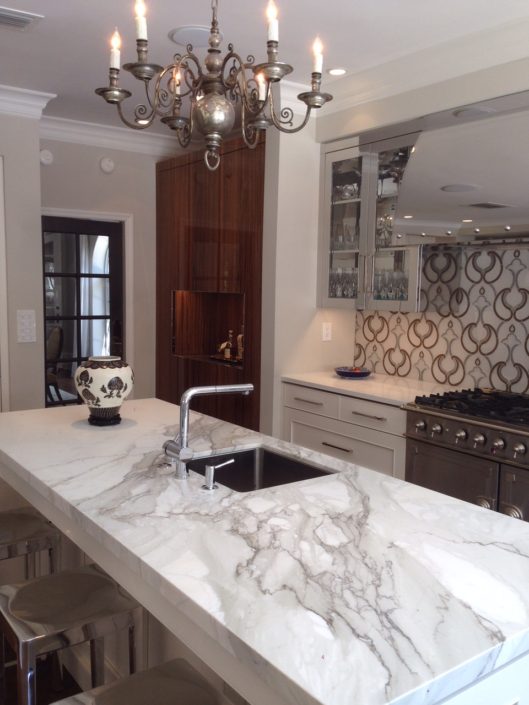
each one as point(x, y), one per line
point(511, 510)
point(485, 502)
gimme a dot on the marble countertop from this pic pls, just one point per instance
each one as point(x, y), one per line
point(380, 388)
point(350, 588)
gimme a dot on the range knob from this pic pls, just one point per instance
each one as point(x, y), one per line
point(498, 444)
point(479, 440)
point(420, 425)
point(437, 428)
point(519, 449)
point(461, 435)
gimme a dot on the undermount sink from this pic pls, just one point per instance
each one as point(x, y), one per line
point(256, 469)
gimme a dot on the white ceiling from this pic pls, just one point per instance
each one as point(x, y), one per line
point(66, 53)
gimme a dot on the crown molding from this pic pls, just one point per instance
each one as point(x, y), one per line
point(107, 137)
point(22, 102)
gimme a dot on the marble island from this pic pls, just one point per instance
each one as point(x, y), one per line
point(350, 589)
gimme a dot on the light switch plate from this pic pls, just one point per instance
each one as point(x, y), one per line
point(326, 332)
point(26, 326)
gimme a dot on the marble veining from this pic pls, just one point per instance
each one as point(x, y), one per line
point(350, 588)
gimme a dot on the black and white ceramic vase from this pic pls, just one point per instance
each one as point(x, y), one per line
point(103, 383)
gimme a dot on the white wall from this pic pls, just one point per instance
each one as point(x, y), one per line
point(74, 181)
point(291, 320)
point(19, 145)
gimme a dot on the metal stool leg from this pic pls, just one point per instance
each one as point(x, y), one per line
point(132, 651)
point(30, 566)
point(97, 661)
point(2, 668)
point(26, 671)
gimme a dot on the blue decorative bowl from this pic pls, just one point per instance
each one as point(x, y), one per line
point(352, 372)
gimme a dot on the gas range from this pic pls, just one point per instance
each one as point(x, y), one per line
point(473, 445)
point(482, 422)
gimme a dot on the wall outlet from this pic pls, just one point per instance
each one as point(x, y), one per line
point(326, 332)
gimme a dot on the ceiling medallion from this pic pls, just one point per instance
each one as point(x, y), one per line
point(187, 96)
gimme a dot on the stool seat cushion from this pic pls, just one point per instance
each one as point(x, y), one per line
point(24, 531)
point(67, 598)
point(23, 524)
point(173, 683)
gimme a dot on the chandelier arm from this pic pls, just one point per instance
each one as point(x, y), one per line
point(285, 117)
point(184, 136)
point(249, 133)
point(134, 125)
point(236, 77)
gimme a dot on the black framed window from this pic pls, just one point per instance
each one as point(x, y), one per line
point(83, 298)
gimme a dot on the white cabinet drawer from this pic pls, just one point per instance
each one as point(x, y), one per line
point(314, 400)
point(355, 444)
point(372, 414)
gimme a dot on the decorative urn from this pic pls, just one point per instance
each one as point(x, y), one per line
point(103, 383)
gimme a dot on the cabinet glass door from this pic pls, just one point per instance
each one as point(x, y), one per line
point(343, 228)
point(395, 279)
point(393, 273)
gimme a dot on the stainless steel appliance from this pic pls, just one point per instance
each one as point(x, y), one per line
point(473, 445)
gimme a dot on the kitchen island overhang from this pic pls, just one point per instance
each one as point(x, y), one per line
point(350, 588)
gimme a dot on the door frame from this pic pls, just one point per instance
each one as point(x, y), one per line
point(127, 221)
point(4, 330)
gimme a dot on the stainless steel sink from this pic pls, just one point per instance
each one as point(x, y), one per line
point(256, 469)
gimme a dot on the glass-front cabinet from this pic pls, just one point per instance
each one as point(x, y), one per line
point(359, 263)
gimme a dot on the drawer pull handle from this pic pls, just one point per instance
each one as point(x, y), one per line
point(369, 416)
point(309, 401)
point(330, 445)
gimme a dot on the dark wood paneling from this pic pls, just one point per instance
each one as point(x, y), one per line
point(209, 253)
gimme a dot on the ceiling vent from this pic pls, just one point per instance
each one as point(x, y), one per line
point(490, 204)
point(17, 19)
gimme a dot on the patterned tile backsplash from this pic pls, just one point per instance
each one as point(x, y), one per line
point(473, 327)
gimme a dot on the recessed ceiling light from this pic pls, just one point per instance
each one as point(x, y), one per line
point(473, 111)
point(408, 217)
point(17, 19)
point(467, 220)
point(458, 188)
point(195, 34)
point(336, 72)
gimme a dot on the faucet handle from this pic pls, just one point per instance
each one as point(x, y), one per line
point(210, 474)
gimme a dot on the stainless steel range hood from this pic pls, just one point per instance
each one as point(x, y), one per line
point(468, 175)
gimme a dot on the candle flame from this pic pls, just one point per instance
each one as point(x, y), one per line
point(115, 40)
point(317, 47)
point(271, 11)
point(140, 9)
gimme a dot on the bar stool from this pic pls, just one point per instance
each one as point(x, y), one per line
point(25, 532)
point(173, 683)
point(50, 613)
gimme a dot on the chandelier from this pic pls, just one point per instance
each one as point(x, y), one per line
point(189, 97)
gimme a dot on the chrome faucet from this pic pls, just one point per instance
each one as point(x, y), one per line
point(178, 448)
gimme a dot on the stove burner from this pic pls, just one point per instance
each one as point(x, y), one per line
point(490, 404)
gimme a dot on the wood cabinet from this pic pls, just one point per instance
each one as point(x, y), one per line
point(361, 431)
point(359, 262)
point(209, 254)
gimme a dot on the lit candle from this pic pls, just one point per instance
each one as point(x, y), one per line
point(317, 63)
point(261, 84)
point(115, 45)
point(273, 24)
point(177, 82)
point(141, 22)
